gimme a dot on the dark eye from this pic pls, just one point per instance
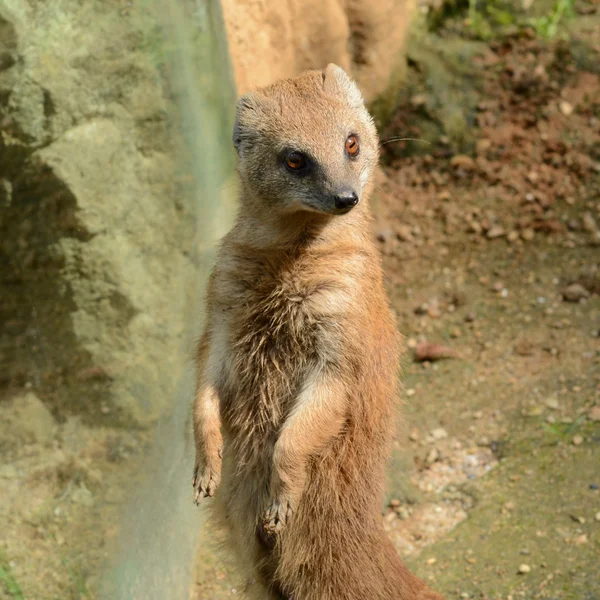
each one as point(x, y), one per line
point(295, 161)
point(352, 146)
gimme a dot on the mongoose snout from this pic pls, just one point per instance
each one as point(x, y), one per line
point(345, 201)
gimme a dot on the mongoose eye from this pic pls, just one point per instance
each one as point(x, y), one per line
point(352, 146)
point(295, 161)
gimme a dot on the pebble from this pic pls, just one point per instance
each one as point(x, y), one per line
point(577, 440)
point(552, 403)
point(527, 234)
point(597, 516)
point(495, 232)
point(524, 569)
point(462, 161)
point(439, 433)
point(433, 456)
point(565, 108)
point(575, 293)
point(589, 223)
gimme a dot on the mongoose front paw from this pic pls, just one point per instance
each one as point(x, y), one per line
point(277, 516)
point(205, 484)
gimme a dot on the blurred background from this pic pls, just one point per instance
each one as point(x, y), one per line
point(116, 181)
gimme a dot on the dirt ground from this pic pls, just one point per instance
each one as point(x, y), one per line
point(491, 246)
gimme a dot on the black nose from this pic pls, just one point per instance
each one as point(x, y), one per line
point(344, 201)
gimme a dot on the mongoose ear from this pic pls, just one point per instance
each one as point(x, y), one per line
point(337, 83)
point(249, 109)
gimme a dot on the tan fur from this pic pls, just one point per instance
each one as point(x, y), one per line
point(298, 364)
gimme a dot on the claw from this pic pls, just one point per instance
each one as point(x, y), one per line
point(206, 485)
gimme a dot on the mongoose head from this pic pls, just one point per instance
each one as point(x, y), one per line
point(306, 144)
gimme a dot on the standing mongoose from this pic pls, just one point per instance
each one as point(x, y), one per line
point(298, 362)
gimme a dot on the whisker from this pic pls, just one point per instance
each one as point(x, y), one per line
point(399, 139)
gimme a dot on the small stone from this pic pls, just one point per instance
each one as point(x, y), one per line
point(552, 402)
point(384, 235)
point(483, 145)
point(403, 513)
point(81, 495)
point(433, 456)
point(431, 561)
point(527, 234)
point(404, 233)
point(532, 176)
point(439, 433)
point(512, 236)
point(581, 539)
point(455, 332)
point(410, 392)
point(462, 161)
point(394, 502)
point(565, 108)
point(589, 223)
point(597, 516)
point(577, 440)
point(575, 293)
point(495, 232)
point(418, 100)
point(413, 436)
point(523, 569)
point(470, 317)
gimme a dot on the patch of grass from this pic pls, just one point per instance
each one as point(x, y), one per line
point(7, 579)
point(547, 26)
point(486, 19)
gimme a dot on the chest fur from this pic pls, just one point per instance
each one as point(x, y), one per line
point(268, 331)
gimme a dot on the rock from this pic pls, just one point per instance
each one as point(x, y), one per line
point(565, 108)
point(523, 569)
point(81, 495)
point(462, 161)
point(597, 516)
point(439, 433)
point(552, 402)
point(483, 145)
point(575, 293)
point(32, 419)
point(532, 176)
point(404, 233)
point(494, 232)
point(589, 223)
point(433, 456)
point(577, 440)
point(527, 234)
point(594, 413)
point(429, 351)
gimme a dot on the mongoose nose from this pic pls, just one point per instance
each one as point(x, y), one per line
point(344, 201)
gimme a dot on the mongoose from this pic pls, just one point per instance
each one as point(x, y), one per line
point(298, 362)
